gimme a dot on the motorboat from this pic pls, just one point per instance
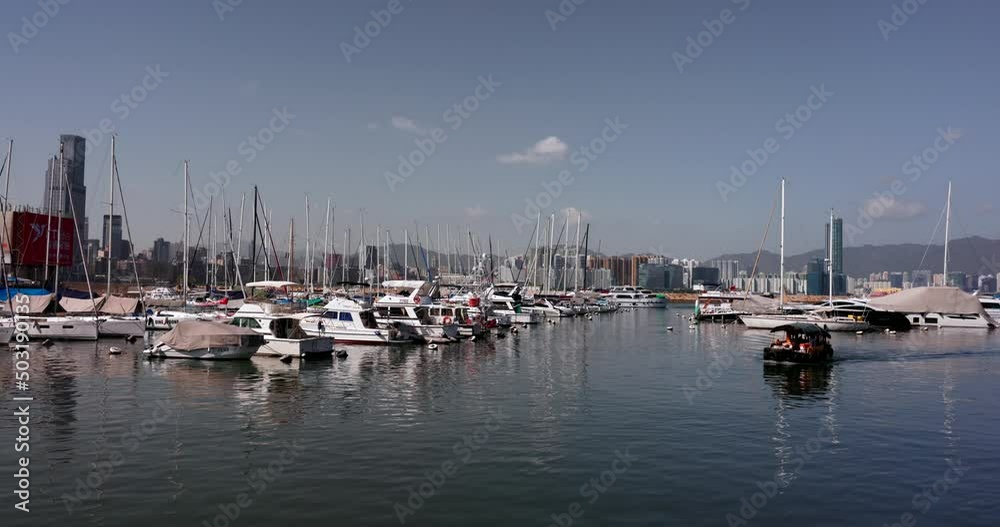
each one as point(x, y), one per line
point(468, 325)
point(348, 321)
point(197, 339)
point(717, 306)
point(991, 304)
point(507, 300)
point(629, 296)
point(938, 307)
point(282, 333)
point(803, 343)
point(410, 306)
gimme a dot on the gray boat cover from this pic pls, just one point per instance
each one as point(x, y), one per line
point(190, 335)
point(757, 305)
point(108, 305)
point(944, 300)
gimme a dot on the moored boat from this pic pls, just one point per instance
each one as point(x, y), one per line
point(196, 339)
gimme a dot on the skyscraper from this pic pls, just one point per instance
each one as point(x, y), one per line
point(68, 196)
point(839, 280)
point(115, 242)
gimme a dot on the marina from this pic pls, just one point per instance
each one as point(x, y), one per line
point(703, 415)
point(520, 263)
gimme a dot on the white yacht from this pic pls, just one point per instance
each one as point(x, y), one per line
point(717, 306)
point(938, 307)
point(410, 307)
point(506, 300)
point(349, 322)
point(628, 296)
point(196, 339)
point(991, 305)
point(281, 331)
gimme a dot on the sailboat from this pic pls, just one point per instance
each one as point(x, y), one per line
point(61, 327)
point(827, 321)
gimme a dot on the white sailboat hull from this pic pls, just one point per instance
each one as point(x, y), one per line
point(60, 328)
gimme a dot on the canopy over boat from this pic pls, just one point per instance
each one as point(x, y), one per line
point(190, 335)
point(945, 300)
point(802, 328)
point(108, 305)
point(757, 305)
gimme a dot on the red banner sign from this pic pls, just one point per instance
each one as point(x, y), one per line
point(29, 231)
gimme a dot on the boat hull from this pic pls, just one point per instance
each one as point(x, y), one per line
point(783, 354)
point(61, 328)
point(303, 348)
point(220, 353)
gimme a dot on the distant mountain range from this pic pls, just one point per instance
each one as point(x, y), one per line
point(974, 255)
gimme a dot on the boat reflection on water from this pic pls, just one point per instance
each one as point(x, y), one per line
point(798, 381)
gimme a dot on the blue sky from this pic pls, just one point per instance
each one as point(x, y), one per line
point(653, 189)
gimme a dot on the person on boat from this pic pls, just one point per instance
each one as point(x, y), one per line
point(321, 327)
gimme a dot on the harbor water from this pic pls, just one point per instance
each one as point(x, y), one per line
point(620, 420)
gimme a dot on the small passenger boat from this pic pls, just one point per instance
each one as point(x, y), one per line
point(805, 343)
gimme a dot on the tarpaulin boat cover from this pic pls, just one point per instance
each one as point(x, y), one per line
point(80, 305)
point(944, 300)
point(36, 303)
point(119, 305)
point(757, 305)
point(189, 335)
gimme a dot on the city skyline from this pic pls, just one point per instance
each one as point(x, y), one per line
point(299, 111)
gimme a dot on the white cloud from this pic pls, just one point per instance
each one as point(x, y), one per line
point(573, 213)
point(898, 209)
point(549, 149)
point(475, 212)
point(407, 125)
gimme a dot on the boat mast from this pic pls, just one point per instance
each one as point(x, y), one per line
point(291, 246)
point(48, 213)
point(947, 233)
point(781, 278)
point(62, 211)
point(326, 247)
point(565, 279)
point(111, 214)
point(830, 262)
point(549, 254)
point(308, 266)
point(406, 253)
point(534, 264)
point(184, 287)
point(253, 247)
point(239, 236)
point(576, 253)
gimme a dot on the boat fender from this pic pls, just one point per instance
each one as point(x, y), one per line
point(447, 320)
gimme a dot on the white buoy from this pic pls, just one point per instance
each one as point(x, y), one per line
point(432, 346)
point(513, 330)
point(859, 332)
point(670, 328)
point(525, 326)
point(692, 326)
point(473, 338)
point(115, 350)
point(892, 332)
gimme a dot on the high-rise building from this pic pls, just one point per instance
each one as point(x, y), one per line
point(816, 280)
point(652, 276)
point(837, 258)
point(113, 228)
point(161, 251)
point(67, 196)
